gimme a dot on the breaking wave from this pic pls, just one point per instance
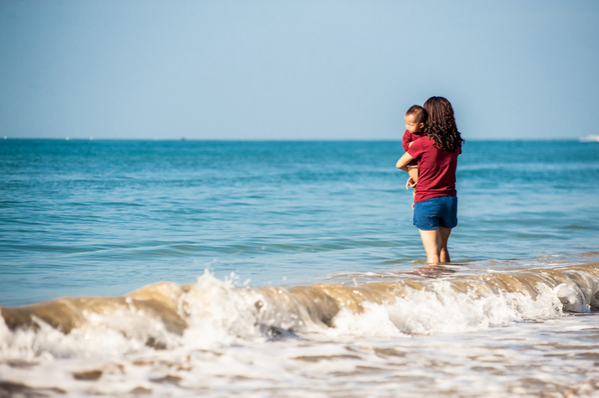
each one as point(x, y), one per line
point(213, 313)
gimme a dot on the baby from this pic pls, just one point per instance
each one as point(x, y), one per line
point(415, 119)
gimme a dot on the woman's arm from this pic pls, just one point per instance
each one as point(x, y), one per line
point(402, 163)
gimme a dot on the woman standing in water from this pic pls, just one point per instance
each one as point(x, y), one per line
point(436, 202)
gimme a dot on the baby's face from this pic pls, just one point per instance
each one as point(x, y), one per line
point(411, 124)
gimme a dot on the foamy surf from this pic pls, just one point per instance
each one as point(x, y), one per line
point(213, 312)
point(154, 340)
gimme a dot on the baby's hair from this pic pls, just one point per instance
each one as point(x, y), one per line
point(419, 113)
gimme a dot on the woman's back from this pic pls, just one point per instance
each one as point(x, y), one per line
point(436, 170)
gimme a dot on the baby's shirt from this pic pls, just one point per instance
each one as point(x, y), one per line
point(407, 139)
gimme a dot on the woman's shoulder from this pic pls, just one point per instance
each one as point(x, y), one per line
point(425, 141)
point(428, 142)
point(421, 146)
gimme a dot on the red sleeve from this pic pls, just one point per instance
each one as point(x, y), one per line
point(416, 149)
point(407, 138)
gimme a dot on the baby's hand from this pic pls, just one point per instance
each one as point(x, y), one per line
point(410, 183)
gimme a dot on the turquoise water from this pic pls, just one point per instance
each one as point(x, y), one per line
point(107, 217)
point(316, 284)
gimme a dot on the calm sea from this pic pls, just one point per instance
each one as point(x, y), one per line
point(260, 239)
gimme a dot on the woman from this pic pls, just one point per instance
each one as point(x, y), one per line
point(435, 202)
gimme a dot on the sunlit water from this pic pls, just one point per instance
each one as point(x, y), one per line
point(514, 315)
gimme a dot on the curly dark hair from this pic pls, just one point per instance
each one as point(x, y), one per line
point(441, 126)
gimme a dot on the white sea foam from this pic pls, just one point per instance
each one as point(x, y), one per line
point(430, 339)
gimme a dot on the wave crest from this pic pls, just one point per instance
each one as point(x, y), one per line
point(212, 312)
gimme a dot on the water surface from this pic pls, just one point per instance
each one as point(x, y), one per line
point(294, 269)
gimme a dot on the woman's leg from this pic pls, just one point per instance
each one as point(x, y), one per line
point(430, 241)
point(435, 245)
point(443, 238)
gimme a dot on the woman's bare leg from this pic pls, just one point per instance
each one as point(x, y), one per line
point(430, 241)
point(435, 245)
point(443, 238)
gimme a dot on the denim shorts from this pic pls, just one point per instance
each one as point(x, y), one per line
point(436, 212)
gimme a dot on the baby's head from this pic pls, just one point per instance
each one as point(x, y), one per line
point(415, 118)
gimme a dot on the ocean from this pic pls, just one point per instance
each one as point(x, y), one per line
point(292, 268)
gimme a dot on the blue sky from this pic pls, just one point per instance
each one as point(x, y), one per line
point(291, 69)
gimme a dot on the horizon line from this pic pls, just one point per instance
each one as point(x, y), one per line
point(183, 139)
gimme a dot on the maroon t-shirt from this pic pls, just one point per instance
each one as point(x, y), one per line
point(407, 138)
point(436, 170)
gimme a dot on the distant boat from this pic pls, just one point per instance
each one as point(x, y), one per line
point(589, 138)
